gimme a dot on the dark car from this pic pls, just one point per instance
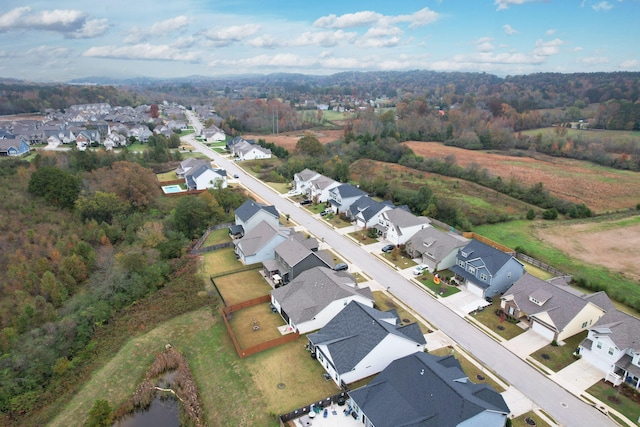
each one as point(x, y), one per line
point(305, 202)
point(324, 213)
point(388, 248)
point(340, 267)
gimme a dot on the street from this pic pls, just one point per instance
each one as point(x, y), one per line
point(560, 404)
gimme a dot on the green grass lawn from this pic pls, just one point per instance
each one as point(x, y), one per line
point(441, 290)
point(384, 303)
point(336, 221)
point(398, 260)
point(219, 261)
point(242, 286)
point(167, 176)
point(558, 357)
point(362, 237)
point(504, 328)
point(255, 325)
point(280, 187)
point(217, 236)
point(521, 420)
point(611, 396)
point(475, 374)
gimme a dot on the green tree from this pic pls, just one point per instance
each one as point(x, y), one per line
point(56, 186)
point(550, 214)
point(100, 415)
point(531, 214)
point(310, 145)
point(101, 206)
point(190, 216)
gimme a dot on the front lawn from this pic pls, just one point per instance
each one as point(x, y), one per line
point(336, 221)
point(398, 260)
point(384, 303)
point(614, 397)
point(362, 237)
point(556, 357)
point(475, 374)
point(441, 289)
point(521, 421)
point(492, 321)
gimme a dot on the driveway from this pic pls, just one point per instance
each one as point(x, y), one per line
point(525, 344)
point(578, 376)
point(464, 302)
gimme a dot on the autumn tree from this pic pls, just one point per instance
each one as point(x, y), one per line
point(153, 111)
point(131, 182)
point(310, 145)
point(101, 206)
point(56, 186)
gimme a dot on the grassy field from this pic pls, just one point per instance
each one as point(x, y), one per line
point(477, 203)
point(558, 357)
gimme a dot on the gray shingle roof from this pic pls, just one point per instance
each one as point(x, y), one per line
point(367, 207)
point(348, 190)
point(399, 217)
point(425, 390)
point(354, 332)
point(258, 237)
point(313, 290)
point(249, 208)
point(492, 258)
point(436, 242)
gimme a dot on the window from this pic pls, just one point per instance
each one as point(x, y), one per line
point(599, 344)
point(509, 275)
point(472, 270)
point(483, 277)
point(584, 325)
point(610, 351)
point(461, 264)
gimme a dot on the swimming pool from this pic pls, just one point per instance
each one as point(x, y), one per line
point(169, 189)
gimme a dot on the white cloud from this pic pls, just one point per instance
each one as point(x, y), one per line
point(504, 4)
point(137, 35)
point(229, 35)
point(603, 5)
point(630, 64)
point(550, 32)
point(348, 20)
point(380, 36)
point(49, 51)
point(143, 51)
point(547, 48)
point(595, 60)
point(286, 60)
point(324, 38)
point(70, 23)
point(509, 30)
point(420, 18)
point(264, 41)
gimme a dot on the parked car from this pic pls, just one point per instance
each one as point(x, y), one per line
point(235, 175)
point(305, 202)
point(388, 248)
point(420, 269)
point(340, 267)
point(324, 213)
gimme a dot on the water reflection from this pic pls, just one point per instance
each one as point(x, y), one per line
point(162, 413)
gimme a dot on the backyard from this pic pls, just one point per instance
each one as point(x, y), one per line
point(242, 286)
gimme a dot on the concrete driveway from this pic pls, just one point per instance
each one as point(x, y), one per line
point(464, 302)
point(525, 344)
point(578, 376)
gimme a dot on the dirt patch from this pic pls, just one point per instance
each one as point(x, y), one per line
point(601, 189)
point(289, 140)
point(614, 248)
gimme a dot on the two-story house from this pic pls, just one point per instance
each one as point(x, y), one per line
point(435, 248)
point(250, 213)
point(258, 245)
point(302, 181)
point(343, 196)
point(204, 177)
point(293, 256)
point(365, 211)
point(13, 147)
point(486, 271)
point(320, 187)
point(398, 225)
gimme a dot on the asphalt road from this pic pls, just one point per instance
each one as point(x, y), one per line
point(560, 404)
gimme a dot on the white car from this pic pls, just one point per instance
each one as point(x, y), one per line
point(420, 269)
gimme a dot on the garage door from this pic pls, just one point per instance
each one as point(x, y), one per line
point(476, 290)
point(542, 330)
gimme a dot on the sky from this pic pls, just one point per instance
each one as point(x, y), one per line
point(60, 40)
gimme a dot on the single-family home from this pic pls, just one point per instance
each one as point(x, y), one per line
point(319, 188)
point(343, 196)
point(204, 177)
point(190, 163)
point(213, 134)
point(180, 125)
point(293, 256)
point(556, 312)
point(302, 180)
point(13, 147)
point(426, 390)
point(484, 270)
point(398, 225)
point(613, 345)
point(259, 243)
point(250, 213)
point(365, 211)
point(313, 298)
point(361, 341)
point(243, 150)
point(435, 248)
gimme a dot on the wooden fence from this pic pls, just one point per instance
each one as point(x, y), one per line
point(543, 266)
point(246, 352)
point(211, 229)
point(503, 248)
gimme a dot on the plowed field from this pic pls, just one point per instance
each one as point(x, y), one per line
point(601, 189)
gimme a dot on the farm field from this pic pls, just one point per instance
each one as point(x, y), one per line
point(476, 202)
point(601, 189)
point(289, 140)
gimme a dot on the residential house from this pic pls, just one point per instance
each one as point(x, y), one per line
point(259, 243)
point(343, 196)
point(302, 181)
point(190, 163)
point(426, 390)
point(13, 147)
point(398, 225)
point(243, 150)
point(141, 132)
point(613, 345)
point(486, 271)
point(177, 125)
point(365, 211)
point(213, 134)
point(320, 187)
point(554, 311)
point(293, 256)
point(313, 298)
point(361, 341)
point(204, 177)
point(435, 248)
point(251, 213)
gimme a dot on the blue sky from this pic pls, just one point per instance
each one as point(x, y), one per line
point(64, 39)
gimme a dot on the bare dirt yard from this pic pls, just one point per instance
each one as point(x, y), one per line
point(601, 189)
point(289, 140)
point(610, 244)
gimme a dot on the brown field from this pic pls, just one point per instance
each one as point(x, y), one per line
point(601, 189)
point(289, 140)
point(614, 247)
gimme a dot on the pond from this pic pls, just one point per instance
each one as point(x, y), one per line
point(163, 412)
